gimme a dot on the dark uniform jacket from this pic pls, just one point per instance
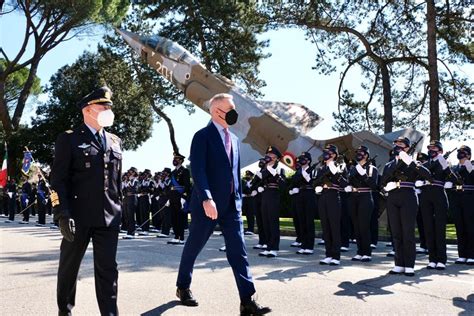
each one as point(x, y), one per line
point(324, 176)
point(183, 177)
point(85, 180)
point(437, 171)
point(369, 180)
point(395, 171)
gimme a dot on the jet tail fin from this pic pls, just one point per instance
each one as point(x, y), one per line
point(294, 114)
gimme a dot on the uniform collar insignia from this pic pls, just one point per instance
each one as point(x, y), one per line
point(84, 145)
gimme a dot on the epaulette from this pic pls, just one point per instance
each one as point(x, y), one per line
point(69, 131)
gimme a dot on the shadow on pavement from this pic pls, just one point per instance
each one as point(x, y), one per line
point(161, 309)
point(466, 304)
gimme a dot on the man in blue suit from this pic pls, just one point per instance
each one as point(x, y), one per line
point(217, 198)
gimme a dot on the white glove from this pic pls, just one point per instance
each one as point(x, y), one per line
point(468, 165)
point(157, 197)
point(417, 191)
point(442, 161)
point(182, 202)
point(305, 175)
point(291, 192)
point(167, 204)
point(254, 193)
point(448, 185)
point(272, 170)
point(406, 158)
point(26, 201)
point(260, 189)
point(419, 183)
point(10, 194)
point(296, 190)
point(390, 186)
point(361, 170)
point(139, 194)
point(332, 167)
point(348, 188)
point(318, 189)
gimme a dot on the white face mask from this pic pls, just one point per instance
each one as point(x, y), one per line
point(105, 118)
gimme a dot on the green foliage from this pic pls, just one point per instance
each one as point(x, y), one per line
point(366, 35)
point(133, 116)
point(222, 35)
point(15, 82)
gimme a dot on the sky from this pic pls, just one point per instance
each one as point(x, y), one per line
point(288, 74)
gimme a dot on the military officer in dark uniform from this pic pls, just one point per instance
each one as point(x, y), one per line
point(248, 202)
point(293, 191)
point(362, 180)
point(273, 179)
point(398, 180)
point(305, 203)
point(25, 201)
point(145, 189)
point(328, 181)
point(434, 205)
point(164, 189)
point(423, 249)
point(462, 201)
point(257, 183)
point(179, 194)
point(86, 196)
point(131, 202)
point(12, 196)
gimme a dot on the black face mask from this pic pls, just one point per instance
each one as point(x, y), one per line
point(326, 155)
point(230, 117)
point(175, 162)
point(397, 150)
point(461, 155)
point(360, 156)
point(432, 153)
point(261, 163)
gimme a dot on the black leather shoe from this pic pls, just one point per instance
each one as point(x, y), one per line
point(186, 297)
point(253, 308)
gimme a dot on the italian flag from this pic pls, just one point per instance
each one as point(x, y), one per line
point(3, 171)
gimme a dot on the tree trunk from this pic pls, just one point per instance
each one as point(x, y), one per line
point(4, 115)
point(433, 70)
point(387, 97)
point(170, 126)
point(25, 93)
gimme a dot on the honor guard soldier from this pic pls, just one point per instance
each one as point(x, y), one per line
point(305, 203)
point(145, 188)
point(86, 182)
point(41, 200)
point(293, 191)
point(434, 205)
point(164, 189)
point(362, 180)
point(12, 196)
point(423, 249)
point(328, 181)
point(179, 193)
point(131, 202)
point(273, 178)
point(25, 201)
point(157, 219)
point(398, 179)
point(462, 202)
point(256, 184)
point(248, 202)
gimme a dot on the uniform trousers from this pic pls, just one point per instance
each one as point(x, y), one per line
point(361, 208)
point(402, 205)
point(104, 240)
point(271, 217)
point(462, 207)
point(306, 209)
point(329, 205)
point(434, 211)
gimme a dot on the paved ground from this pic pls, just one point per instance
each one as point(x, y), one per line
point(290, 284)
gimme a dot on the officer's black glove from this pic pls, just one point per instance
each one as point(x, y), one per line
point(67, 228)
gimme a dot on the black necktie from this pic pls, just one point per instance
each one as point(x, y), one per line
point(99, 139)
